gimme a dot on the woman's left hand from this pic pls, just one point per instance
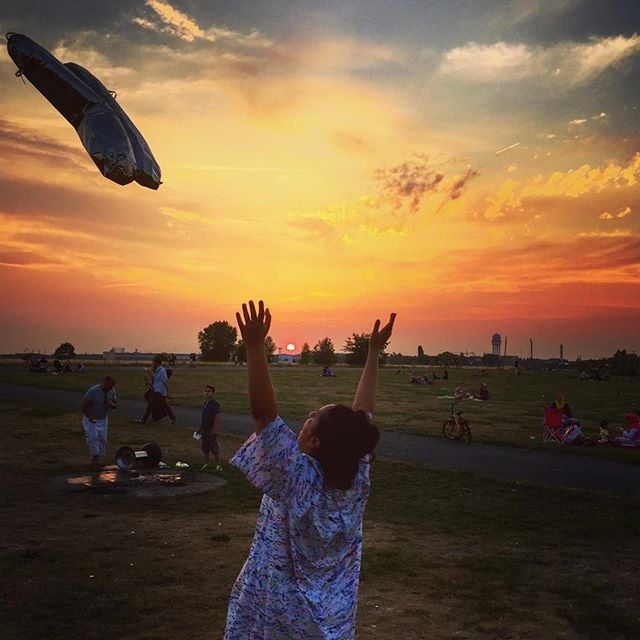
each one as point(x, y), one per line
point(379, 337)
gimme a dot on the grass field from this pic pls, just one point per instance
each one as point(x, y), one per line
point(446, 555)
point(512, 416)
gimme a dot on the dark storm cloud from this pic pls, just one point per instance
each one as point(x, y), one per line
point(579, 20)
point(46, 21)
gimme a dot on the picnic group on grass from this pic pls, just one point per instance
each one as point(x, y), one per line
point(561, 425)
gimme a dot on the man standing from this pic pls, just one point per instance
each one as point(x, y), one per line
point(96, 403)
point(209, 429)
point(158, 406)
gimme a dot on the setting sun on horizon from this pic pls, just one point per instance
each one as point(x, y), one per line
point(472, 166)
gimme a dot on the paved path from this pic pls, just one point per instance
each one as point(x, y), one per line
point(502, 462)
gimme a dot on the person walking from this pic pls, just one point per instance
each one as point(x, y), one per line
point(300, 581)
point(158, 404)
point(209, 426)
point(96, 403)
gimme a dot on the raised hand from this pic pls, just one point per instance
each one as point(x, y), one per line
point(255, 327)
point(379, 337)
point(365, 398)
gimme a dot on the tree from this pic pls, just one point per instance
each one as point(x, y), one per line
point(217, 341)
point(491, 360)
point(357, 347)
point(305, 355)
point(241, 351)
point(66, 351)
point(447, 359)
point(270, 348)
point(422, 358)
point(324, 352)
point(625, 364)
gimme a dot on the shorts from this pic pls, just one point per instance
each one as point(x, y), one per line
point(209, 443)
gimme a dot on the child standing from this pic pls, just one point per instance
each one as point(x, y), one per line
point(209, 429)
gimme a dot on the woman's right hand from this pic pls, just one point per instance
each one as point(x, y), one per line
point(256, 324)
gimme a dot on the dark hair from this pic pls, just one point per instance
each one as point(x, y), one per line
point(109, 380)
point(210, 386)
point(345, 437)
point(157, 359)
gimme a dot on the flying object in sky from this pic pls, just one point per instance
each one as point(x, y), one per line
point(511, 146)
point(107, 133)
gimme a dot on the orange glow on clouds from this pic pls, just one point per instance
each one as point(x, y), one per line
point(312, 173)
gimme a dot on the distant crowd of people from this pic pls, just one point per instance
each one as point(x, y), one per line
point(461, 391)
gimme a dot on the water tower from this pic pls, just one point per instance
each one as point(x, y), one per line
point(496, 343)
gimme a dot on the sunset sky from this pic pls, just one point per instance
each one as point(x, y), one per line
point(473, 165)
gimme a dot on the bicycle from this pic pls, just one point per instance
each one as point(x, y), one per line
point(456, 427)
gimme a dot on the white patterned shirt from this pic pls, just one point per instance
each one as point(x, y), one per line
point(300, 581)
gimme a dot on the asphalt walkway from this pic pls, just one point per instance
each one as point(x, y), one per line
point(498, 461)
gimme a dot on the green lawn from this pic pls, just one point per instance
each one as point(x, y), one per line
point(512, 416)
point(446, 554)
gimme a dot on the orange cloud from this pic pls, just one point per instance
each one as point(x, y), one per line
point(176, 22)
point(185, 216)
point(403, 190)
point(179, 24)
point(623, 213)
point(589, 258)
point(509, 201)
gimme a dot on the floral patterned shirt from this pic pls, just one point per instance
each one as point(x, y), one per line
point(300, 581)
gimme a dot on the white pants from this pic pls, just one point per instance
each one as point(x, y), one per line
point(96, 433)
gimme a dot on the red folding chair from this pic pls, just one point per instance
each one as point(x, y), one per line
point(552, 427)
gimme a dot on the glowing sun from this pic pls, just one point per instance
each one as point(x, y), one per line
point(291, 347)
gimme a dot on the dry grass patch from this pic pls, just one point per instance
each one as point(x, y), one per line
point(512, 416)
point(446, 554)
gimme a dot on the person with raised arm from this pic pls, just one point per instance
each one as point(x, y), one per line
point(300, 581)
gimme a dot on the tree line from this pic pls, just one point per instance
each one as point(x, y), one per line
point(219, 343)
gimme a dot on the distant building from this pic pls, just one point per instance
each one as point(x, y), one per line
point(288, 358)
point(118, 353)
point(496, 344)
